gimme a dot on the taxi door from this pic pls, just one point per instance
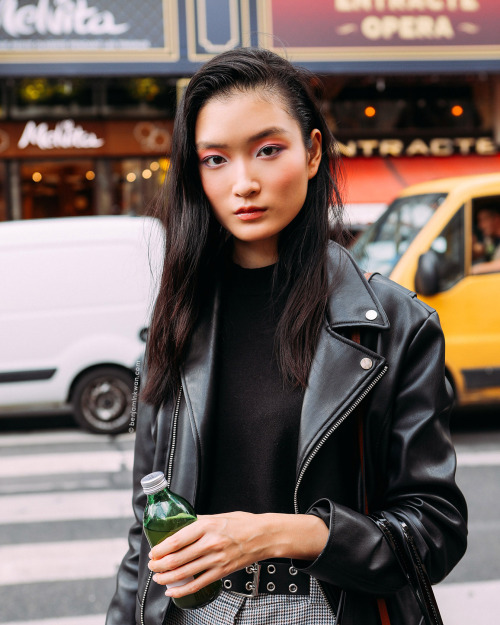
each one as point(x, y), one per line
point(469, 309)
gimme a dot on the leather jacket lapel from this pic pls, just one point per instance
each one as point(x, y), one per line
point(341, 368)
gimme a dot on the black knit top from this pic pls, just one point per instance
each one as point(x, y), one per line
point(252, 460)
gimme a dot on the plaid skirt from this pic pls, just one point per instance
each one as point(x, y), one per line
point(232, 609)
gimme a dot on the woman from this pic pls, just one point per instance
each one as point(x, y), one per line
point(255, 379)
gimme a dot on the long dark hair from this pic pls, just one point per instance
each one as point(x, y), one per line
point(195, 242)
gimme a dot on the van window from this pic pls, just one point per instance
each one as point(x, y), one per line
point(382, 245)
point(449, 246)
point(486, 234)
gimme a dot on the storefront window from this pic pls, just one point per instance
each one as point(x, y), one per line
point(135, 183)
point(143, 96)
point(58, 188)
point(53, 97)
point(89, 187)
point(399, 105)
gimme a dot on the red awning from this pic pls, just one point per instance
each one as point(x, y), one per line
point(379, 180)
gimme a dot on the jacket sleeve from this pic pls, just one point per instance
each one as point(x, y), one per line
point(419, 480)
point(122, 607)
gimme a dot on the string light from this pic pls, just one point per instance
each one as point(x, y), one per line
point(90, 175)
point(457, 110)
point(146, 174)
point(370, 111)
point(37, 176)
point(131, 177)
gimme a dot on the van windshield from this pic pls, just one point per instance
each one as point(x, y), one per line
point(381, 246)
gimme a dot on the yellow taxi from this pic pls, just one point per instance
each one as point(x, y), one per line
point(433, 240)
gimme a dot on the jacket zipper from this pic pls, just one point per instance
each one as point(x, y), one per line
point(169, 479)
point(320, 444)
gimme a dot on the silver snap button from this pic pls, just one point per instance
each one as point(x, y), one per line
point(371, 314)
point(228, 584)
point(292, 570)
point(270, 586)
point(271, 569)
point(292, 588)
point(366, 363)
point(249, 586)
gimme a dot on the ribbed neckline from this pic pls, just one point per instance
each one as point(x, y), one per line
point(255, 281)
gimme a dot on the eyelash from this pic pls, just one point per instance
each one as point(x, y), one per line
point(276, 150)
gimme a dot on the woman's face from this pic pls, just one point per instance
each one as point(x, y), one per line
point(254, 169)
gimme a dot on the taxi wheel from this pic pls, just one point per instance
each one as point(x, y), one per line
point(102, 400)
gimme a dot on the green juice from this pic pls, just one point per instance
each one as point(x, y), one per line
point(166, 513)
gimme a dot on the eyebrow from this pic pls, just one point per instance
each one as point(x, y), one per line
point(267, 132)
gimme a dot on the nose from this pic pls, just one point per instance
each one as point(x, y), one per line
point(246, 183)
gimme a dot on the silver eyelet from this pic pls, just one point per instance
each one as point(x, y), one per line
point(292, 588)
point(271, 569)
point(249, 569)
point(249, 586)
point(228, 584)
point(292, 570)
point(270, 586)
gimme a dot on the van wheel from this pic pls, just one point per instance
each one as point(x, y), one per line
point(102, 400)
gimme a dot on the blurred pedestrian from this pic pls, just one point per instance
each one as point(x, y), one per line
point(255, 376)
point(486, 251)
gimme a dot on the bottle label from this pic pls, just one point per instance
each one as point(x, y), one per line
point(180, 582)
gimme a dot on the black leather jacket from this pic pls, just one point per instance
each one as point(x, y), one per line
point(410, 460)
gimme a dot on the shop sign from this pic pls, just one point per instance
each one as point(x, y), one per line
point(82, 26)
point(66, 134)
point(70, 138)
point(437, 146)
point(383, 29)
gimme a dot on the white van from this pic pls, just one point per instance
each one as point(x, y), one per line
point(75, 299)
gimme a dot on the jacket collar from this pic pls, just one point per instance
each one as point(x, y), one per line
point(352, 302)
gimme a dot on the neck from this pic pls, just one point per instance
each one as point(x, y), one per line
point(255, 254)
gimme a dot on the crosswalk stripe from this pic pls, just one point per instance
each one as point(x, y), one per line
point(66, 506)
point(75, 462)
point(478, 458)
point(49, 438)
point(60, 561)
point(90, 619)
point(472, 602)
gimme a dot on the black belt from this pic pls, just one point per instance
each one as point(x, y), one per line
point(269, 578)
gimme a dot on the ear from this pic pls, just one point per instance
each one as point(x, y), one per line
point(314, 156)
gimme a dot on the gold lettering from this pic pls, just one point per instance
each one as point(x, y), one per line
point(416, 5)
point(391, 147)
point(397, 5)
point(485, 146)
point(464, 145)
point(425, 27)
point(353, 5)
point(443, 28)
point(368, 146)
point(416, 147)
point(469, 5)
point(441, 147)
point(348, 149)
point(407, 27)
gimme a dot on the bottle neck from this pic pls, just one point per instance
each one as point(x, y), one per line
point(161, 495)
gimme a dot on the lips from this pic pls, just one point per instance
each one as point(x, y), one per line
point(247, 213)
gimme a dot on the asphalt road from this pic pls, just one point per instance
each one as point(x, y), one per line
point(65, 510)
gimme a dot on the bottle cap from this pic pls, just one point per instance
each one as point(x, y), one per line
point(153, 483)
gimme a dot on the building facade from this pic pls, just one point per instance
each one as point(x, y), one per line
point(89, 89)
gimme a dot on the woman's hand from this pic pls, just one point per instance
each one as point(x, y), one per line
point(216, 545)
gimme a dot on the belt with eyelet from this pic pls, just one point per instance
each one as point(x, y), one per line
point(274, 578)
